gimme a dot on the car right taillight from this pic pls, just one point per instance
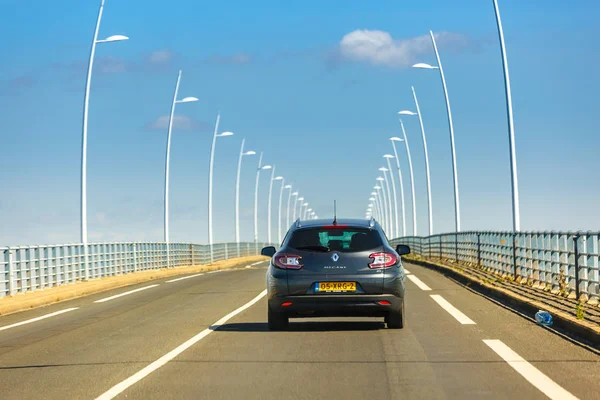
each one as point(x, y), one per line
point(382, 260)
point(287, 261)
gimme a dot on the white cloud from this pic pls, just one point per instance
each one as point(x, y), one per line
point(180, 122)
point(160, 56)
point(237, 58)
point(380, 48)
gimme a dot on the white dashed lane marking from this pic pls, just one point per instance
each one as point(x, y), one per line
point(125, 294)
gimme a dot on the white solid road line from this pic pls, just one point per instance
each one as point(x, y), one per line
point(258, 262)
point(2, 328)
point(460, 317)
point(125, 294)
point(249, 266)
point(214, 272)
point(185, 277)
point(120, 387)
point(529, 372)
point(407, 271)
point(418, 282)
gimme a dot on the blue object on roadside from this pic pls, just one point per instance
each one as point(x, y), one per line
point(543, 318)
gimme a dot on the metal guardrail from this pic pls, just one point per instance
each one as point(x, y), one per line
point(564, 263)
point(29, 268)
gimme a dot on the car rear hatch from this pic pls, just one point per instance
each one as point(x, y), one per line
point(335, 259)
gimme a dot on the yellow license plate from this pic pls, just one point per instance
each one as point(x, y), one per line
point(336, 286)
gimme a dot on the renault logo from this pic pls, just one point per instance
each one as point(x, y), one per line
point(335, 257)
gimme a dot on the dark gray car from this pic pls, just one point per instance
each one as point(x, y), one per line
point(335, 269)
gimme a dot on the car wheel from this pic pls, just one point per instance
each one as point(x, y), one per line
point(395, 319)
point(277, 321)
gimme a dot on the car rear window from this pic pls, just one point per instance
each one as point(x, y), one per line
point(337, 239)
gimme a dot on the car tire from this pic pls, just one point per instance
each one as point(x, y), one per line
point(277, 321)
point(395, 319)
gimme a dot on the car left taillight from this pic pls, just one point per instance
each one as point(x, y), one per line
point(287, 261)
point(382, 260)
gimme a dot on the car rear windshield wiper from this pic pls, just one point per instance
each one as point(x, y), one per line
point(315, 248)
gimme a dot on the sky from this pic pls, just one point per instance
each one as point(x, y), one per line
point(315, 86)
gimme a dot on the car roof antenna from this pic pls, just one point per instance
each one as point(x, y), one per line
point(334, 213)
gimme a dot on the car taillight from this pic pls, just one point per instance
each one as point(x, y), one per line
point(382, 260)
point(287, 261)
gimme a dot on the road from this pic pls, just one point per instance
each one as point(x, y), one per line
point(456, 345)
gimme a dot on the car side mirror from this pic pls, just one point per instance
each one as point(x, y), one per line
point(268, 251)
point(402, 249)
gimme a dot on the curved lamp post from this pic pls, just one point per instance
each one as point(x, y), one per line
point(451, 128)
point(388, 157)
point(84, 134)
point(260, 168)
point(511, 126)
point(307, 213)
point(283, 186)
point(210, 183)
point(389, 196)
point(299, 201)
point(237, 192)
point(410, 169)
point(301, 213)
point(386, 206)
point(379, 207)
point(382, 205)
point(269, 208)
point(167, 161)
point(428, 176)
point(295, 194)
point(373, 201)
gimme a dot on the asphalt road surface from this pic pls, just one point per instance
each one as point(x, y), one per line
point(206, 337)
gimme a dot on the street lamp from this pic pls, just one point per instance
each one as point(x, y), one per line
point(295, 194)
point(389, 196)
point(418, 113)
point(451, 127)
point(377, 200)
point(260, 168)
point(301, 213)
point(386, 205)
point(280, 198)
point(373, 203)
point(168, 158)
point(511, 125)
point(382, 203)
point(307, 213)
point(86, 102)
point(410, 169)
point(298, 200)
point(210, 182)
point(273, 178)
point(389, 163)
point(237, 192)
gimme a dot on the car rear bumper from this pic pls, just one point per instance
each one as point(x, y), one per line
point(336, 305)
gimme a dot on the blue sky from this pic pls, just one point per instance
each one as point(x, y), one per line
point(321, 112)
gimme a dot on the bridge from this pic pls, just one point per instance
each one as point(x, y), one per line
point(169, 319)
point(142, 326)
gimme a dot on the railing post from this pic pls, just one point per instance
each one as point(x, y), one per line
point(576, 251)
point(429, 245)
point(456, 246)
point(514, 248)
point(135, 257)
point(479, 249)
point(11, 272)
